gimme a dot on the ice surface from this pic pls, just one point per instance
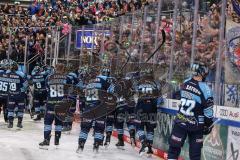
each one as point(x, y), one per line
point(23, 145)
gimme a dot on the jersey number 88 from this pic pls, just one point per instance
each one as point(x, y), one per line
point(56, 91)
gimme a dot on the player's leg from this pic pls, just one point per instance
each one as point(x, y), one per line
point(5, 110)
point(67, 126)
point(176, 141)
point(10, 108)
point(72, 111)
point(48, 120)
point(120, 117)
point(150, 135)
point(195, 144)
point(119, 124)
point(109, 128)
point(36, 105)
point(58, 130)
point(43, 102)
point(141, 135)
point(131, 125)
point(1, 105)
point(98, 133)
point(85, 126)
point(21, 107)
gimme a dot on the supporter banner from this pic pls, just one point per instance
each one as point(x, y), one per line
point(236, 6)
point(214, 145)
point(233, 42)
point(233, 147)
point(231, 95)
point(89, 37)
point(163, 130)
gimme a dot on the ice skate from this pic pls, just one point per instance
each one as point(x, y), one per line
point(120, 145)
point(44, 145)
point(10, 125)
point(142, 150)
point(80, 147)
point(38, 118)
point(96, 147)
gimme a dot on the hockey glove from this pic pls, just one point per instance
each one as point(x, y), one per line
point(207, 130)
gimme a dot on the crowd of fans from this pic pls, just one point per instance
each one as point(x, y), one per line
point(40, 17)
point(206, 43)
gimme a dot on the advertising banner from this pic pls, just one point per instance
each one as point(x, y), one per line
point(88, 37)
point(233, 147)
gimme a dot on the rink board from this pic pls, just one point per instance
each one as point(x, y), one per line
point(221, 144)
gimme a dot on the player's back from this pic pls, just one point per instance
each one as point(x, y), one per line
point(194, 100)
point(39, 81)
point(100, 82)
point(17, 82)
point(56, 87)
point(3, 84)
point(93, 87)
point(148, 92)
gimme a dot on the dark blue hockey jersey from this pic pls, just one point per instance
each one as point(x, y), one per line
point(196, 109)
point(39, 81)
point(91, 89)
point(3, 84)
point(17, 83)
point(56, 85)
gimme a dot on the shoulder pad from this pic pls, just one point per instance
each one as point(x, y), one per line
point(186, 80)
point(206, 90)
point(102, 77)
point(20, 73)
point(72, 74)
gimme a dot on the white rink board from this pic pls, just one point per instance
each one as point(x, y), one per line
point(23, 145)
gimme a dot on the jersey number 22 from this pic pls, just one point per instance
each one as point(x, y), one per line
point(187, 106)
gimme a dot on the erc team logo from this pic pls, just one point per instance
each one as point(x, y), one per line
point(233, 39)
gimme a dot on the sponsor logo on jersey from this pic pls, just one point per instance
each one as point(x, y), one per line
point(193, 89)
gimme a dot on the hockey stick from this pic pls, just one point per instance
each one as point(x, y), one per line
point(163, 42)
point(129, 55)
point(215, 122)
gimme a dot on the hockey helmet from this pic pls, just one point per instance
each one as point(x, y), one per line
point(105, 72)
point(13, 66)
point(199, 69)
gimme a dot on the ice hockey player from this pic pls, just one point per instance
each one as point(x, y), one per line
point(110, 117)
point(146, 110)
point(39, 91)
point(17, 84)
point(195, 115)
point(3, 89)
point(124, 112)
point(73, 81)
point(92, 100)
point(56, 94)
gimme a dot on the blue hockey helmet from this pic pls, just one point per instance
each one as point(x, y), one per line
point(13, 66)
point(105, 72)
point(36, 69)
point(199, 69)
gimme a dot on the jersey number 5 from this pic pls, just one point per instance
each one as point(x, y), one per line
point(187, 106)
